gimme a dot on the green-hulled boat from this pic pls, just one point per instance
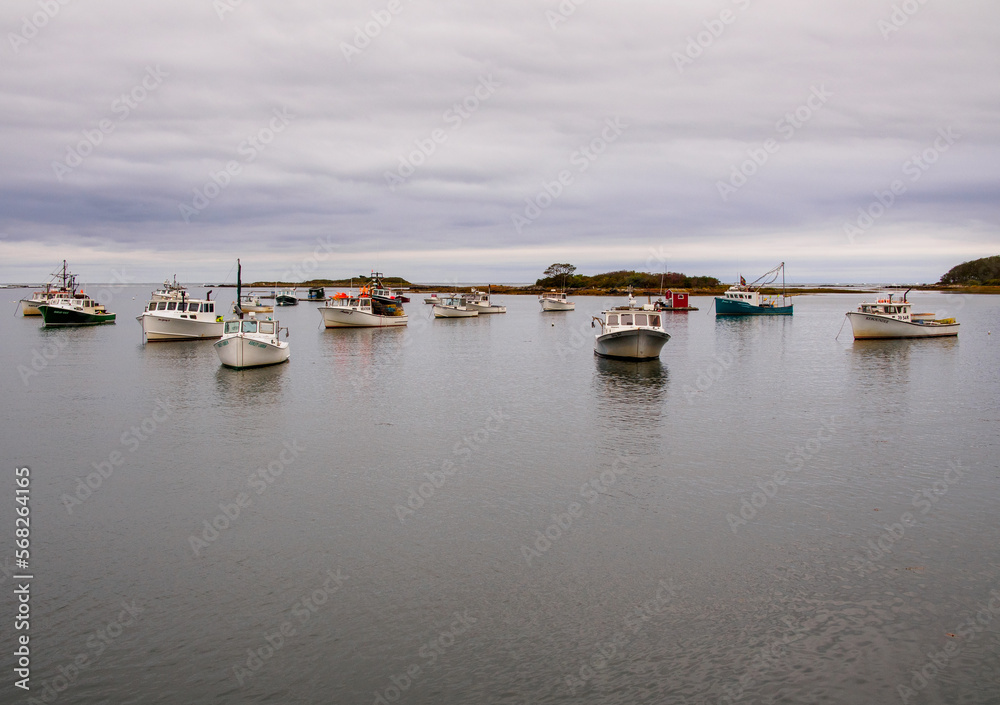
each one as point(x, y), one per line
point(76, 310)
point(746, 300)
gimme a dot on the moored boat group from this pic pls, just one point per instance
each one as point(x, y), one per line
point(630, 332)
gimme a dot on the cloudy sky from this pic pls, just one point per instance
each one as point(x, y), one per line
point(482, 141)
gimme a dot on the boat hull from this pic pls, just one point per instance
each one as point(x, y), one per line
point(489, 309)
point(632, 344)
point(869, 327)
point(451, 312)
point(159, 328)
point(550, 305)
point(58, 316)
point(30, 308)
point(239, 352)
point(286, 301)
point(350, 318)
point(728, 307)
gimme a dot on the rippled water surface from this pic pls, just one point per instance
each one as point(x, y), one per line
point(480, 510)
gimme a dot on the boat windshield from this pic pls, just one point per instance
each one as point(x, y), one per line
point(626, 319)
point(612, 319)
point(249, 326)
point(267, 327)
point(232, 327)
point(654, 321)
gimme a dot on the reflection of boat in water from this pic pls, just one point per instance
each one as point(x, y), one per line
point(250, 342)
point(891, 317)
point(630, 333)
point(746, 300)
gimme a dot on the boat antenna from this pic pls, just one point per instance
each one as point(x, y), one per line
point(783, 297)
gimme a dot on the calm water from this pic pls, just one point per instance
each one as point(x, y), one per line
point(480, 510)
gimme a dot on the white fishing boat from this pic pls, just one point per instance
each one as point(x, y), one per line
point(432, 299)
point(630, 332)
point(251, 303)
point(891, 316)
point(172, 315)
point(61, 285)
point(555, 301)
point(454, 307)
point(483, 303)
point(345, 311)
point(251, 342)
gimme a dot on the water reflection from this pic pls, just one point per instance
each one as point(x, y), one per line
point(256, 386)
point(630, 394)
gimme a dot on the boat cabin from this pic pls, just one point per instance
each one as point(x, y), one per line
point(251, 326)
point(887, 308)
point(616, 319)
point(181, 306)
point(554, 296)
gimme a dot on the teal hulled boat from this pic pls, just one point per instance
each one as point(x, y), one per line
point(746, 300)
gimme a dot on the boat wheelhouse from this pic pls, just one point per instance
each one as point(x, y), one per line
point(316, 293)
point(630, 333)
point(891, 316)
point(251, 303)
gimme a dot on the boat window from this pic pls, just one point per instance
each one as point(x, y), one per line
point(640, 319)
point(654, 321)
point(210, 307)
point(612, 319)
point(249, 326)
point(626, 319)
point(192, 307)
point(267, 327)
point(232, 327)
point(171, 305)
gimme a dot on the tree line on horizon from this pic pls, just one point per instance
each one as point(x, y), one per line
point(983, 271)
point(563, 275)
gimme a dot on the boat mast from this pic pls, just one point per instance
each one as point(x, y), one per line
point(239, 289)
point(783, 283)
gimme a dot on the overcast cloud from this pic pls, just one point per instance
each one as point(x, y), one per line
point(482, 141)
